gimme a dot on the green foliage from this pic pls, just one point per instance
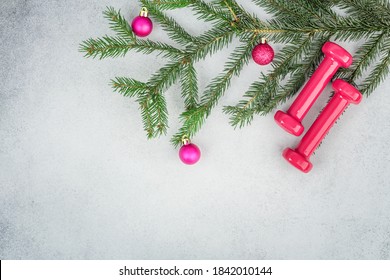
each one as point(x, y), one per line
point(302, 26)
point(170, 5)
point(128, 87)
point(119, 24)
point(189, 86)
point(174, 30)
point(194, 117)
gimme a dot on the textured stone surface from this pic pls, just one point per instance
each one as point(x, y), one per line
point(78, 180)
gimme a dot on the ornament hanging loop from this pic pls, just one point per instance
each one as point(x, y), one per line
point(144, 12)
point(263, 40)
point(185, 140)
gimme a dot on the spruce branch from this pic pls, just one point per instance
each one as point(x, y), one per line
point(174, 30)
point(284, 10)
point(189, 86)
point(364, 57)
point(378, 74)
point(367, 10)
point(230, 5)
point(128, 87)
point(240, 16)
point(324, 8)
point(210, 12)
point(303, 26)
point(117, 46)
point(314, 12)
point(119, 24)
point(154, 113)
point(169, 4)
point(165, 77)
point(210, 42)
point(152, 101)
point(267, 93)
point(152, 104)
point(194, 118)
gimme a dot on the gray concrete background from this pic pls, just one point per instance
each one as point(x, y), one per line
point(78, 180)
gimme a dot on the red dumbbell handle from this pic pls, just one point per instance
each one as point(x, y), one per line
point(312, 90)
point(322, 125)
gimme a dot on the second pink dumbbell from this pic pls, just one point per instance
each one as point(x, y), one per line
point(345, 94)
point(335, 57)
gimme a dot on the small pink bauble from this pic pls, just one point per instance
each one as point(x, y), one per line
point(189, 154)
point(263, 54)
point(142, 26)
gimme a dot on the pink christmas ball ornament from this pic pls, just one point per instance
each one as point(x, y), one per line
point(189, 154)
point(142, 25)
point(263, 53)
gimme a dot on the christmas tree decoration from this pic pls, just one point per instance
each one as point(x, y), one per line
point(142, 25)
point(335, 57)
point(345, 94)
point(189, 153)
point(301, 27)
point(263, 53)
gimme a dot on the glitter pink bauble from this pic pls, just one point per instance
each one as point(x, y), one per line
point(189, 154)
point(142, 26)
point(263, 54)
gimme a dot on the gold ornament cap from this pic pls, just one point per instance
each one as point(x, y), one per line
point(144, 12)
point(185, 140)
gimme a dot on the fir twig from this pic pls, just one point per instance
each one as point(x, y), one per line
point(128, 87)
point(378, 74)
point(189, 86)
point(168, 4)
point(118, 23)
point(364, 57)
point(117, 46)
point(263, 90)
point(194, 118)
point(174, 30)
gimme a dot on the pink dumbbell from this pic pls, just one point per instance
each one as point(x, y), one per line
point(344, 95)
point(335, 57)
